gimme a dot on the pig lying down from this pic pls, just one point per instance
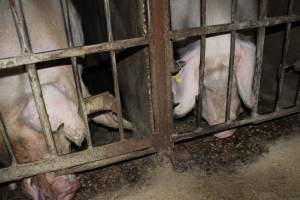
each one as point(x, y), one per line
point(185, 85)
point(45, 25)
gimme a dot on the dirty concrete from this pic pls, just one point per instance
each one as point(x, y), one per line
point(260, 162)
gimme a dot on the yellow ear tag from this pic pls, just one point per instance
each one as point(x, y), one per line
point(178, 78)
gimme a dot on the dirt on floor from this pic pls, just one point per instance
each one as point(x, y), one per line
point(259, 162)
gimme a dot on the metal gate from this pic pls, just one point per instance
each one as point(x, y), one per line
point(157, 40)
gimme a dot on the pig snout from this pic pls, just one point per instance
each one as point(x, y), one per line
point(64, 187)
point(49, 187)
point(225, 134)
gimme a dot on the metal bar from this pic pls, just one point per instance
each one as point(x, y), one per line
point(103, 154)
point(114, 70)
point(71, 52)
point(23, 36)
point(202, 63)
point(105, 162)
point(161, 60)
point(8, 145)
point(281, 70)
point(140, 41)
point(82, 105)
point(218, 29)
point(231, 62)
point(259, 55)
point(234, 124)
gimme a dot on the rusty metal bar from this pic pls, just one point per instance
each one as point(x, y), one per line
point(108, 161)
point(281, 70)
point(103, 154)
point(23, 36)
point(82, 105)
point(72, 52)
point(259, 55)
point(231, 62)
point(202, 63)
point(234, 124)
point(161, 60)
point(8, 145)
point(114, 70)
point(218, 29)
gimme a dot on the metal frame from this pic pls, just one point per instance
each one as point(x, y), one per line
point(260, 25)
point(159, 42)
point(92, 157)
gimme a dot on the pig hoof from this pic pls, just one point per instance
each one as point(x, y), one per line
point(225, 134)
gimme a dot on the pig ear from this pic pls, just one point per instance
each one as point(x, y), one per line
point(244, 71)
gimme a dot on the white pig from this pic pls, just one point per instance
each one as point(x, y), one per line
point(185, 85)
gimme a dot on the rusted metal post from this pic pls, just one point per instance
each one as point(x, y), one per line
point(231, 61)
point(114, 69)
point(82, 105)
point(202, 63)
point(20, 24)
point(281, 70)
point(161, 61)
point(259, 55)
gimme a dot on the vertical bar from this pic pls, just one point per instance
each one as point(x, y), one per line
point(114, 70)
point(259, 54)
point(20, 24)
point(284, 56)
point(7, 141)
point(82, 106)
point(160, 61)
point(202, 63)
point(231, 61)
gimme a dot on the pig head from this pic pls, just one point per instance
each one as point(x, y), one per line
point(185, 84)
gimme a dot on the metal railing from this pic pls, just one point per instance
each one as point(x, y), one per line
point(92, 157)
point(158, 40)
point(261, 24)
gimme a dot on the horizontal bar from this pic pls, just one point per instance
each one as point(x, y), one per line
point(74, 159)
point(72, 52)
point(234, 124)
point(108, 161)
point(223, 28)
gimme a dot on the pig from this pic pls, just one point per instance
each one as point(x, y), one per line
point(45, 25)
point(185, 84)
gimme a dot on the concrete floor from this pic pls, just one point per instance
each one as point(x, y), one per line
point(274, 176)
